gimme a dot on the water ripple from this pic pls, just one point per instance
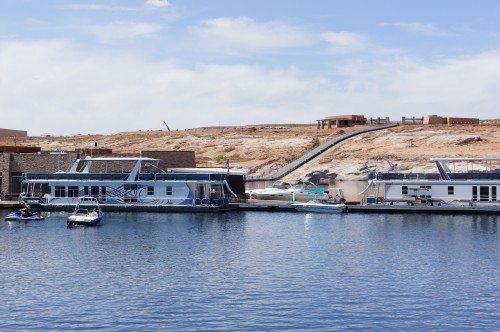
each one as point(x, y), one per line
point(252, 272)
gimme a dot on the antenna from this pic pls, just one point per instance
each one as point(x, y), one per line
point(166, 125)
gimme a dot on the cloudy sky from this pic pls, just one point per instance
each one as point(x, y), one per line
point(102, 67)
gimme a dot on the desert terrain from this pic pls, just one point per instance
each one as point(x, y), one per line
point(259, 150)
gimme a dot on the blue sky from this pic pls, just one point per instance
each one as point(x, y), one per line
point(102, 67)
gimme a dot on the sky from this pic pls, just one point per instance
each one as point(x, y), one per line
point(104, 67)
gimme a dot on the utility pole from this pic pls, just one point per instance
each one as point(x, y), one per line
point(166, 125)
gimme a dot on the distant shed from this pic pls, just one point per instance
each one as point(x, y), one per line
point(13, 133)
point(339, 121)
point(435, 119)
point(19, 149)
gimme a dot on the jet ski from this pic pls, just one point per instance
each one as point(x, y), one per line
point(19, 215)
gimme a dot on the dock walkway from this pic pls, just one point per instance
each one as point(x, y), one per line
point(284, 206)
point(10, 205)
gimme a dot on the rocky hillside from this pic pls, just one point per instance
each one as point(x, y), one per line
point(262, 149)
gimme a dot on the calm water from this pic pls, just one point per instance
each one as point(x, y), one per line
point(252, 271)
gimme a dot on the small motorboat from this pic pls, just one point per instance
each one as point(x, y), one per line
point(320, 206)
point(87, 212)
point(283, 191)
point(20, 215)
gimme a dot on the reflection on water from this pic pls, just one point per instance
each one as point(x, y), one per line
point(252, 271)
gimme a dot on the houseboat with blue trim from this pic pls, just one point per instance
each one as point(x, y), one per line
point(130, 184)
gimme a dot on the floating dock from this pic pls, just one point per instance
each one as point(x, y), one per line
point(263, 205)
point(10, 205)
point(424, 209)
point(284, 206)
point(278, 206)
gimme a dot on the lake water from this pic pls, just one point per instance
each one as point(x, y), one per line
point(252, 271)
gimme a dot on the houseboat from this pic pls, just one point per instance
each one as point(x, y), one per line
point(129, 184)
point(459, 181)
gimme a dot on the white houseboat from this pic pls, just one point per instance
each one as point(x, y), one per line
point(460, 181)
point(130, 184)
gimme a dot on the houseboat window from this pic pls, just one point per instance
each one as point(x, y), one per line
point(130, 187)
point(16, 183)
point(103, 192)
point(94, 191)
point(45, 189)
point(404, 190)
point(129, 199)
point(494, 194)
point(151, 190)
point(85, 191)
point(60, 191)
point(484, 193)
point(474, 193)
point(451, 190)
point(169, 190)
point(426, 187)
point(72, 191)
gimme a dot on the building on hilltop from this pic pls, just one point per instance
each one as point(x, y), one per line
point(340, 121)
point(435, 119)
point(13, 133)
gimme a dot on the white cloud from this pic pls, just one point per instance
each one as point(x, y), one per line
point(158, 3)
point(97, 7)
point(418, 27)
point(462, 86)
point(123, 30)
point(344, 42)
point(245, 34)
point(54, 87)
point(87, 6)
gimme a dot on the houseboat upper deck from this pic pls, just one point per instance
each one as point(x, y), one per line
point(487, 168)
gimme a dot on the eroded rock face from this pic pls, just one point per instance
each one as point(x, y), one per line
point(259, 150)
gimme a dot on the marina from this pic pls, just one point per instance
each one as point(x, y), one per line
point(279, 206)
point(250, 166)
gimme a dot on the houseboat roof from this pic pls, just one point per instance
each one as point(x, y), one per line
point(206, 170)
point(118, 159)
point(466, 159)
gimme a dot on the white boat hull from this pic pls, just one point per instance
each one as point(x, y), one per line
point(24, 218)
point(298, 197)
point(320, 207)
point(84, 220)
point(84, 216)
point(17, 216)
